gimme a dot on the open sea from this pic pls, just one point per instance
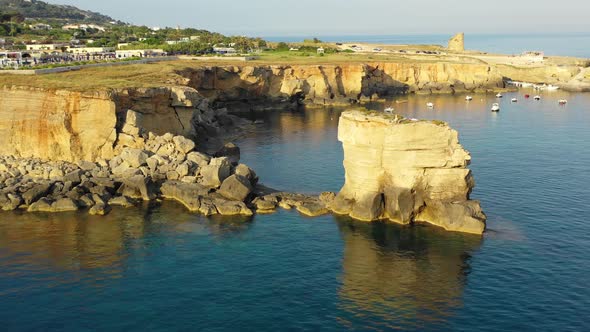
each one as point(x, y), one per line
point(564, 44)
point(157, 267)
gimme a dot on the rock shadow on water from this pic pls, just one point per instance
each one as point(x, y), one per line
point(403, 275)
point(77, 241)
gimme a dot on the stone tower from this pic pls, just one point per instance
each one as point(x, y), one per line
point(457, 43)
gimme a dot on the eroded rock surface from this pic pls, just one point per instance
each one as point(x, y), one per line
point(406, 171)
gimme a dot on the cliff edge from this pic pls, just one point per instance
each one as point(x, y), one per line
point(406, 171)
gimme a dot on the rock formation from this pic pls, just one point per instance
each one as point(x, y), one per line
point(457, 43)
point(337, 84)
point(406, 171)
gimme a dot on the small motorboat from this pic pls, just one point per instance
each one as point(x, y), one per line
point(496, 107)
point(499, 95)
point(514, 100)
point(469, 98)
point(527, 96)
point(562, 101)
point(389, 110)
point(537, 97)
point(430, 105)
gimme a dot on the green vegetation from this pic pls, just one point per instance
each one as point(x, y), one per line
point(43, 10)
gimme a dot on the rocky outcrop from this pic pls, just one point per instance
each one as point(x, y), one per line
point(406, 171)
point(72, 126)
point(457, 43)
point(330, 84)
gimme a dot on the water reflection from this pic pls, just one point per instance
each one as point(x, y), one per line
point(402, 275)
point(79, 241)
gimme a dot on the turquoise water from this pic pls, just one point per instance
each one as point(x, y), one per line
point(570, 44)
point(160, 268)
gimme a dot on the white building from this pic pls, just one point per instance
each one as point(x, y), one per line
point(46, 47)
point(40, 26)
point(91, 50)
point(533, 56)
point(224, 50)
point(139, 53)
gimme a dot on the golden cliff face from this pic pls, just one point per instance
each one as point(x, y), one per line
point(73, 126)
point(339, 83)
point(406, 171)
point(56, 125)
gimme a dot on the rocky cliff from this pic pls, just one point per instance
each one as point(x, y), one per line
point(406, 171)
point(346, 83)
point(72, 126)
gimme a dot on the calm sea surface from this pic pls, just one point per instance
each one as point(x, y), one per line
point(160, 268)
point(572, 44)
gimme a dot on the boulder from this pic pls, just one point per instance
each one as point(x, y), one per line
point(247, 172)
point(42, 205)
point(183, 144)
point(121, 201)
point(100, 209)
point(232, 208)
point(36, 192)
point(139, 187)
point(235, 187)
point(199, 158)
point(215, 173)
point(63, 205)
point(312, 209)
point(134, 157)
point(133, 118)
point(231, 151)
point(186, 193)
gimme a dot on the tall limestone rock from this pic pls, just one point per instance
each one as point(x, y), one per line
point(406, 171)
point(457, 43)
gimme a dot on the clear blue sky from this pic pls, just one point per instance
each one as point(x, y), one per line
point(350, 17)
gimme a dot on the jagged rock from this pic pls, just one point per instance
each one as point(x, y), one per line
point(247, 172)
point(100, 209)
point(166, 150)
point(74, 176)
point(139, 187)
point(199, 158)
point(131, 130)
point(134, 157)
point(235, 187)
point(231, 151)
point(327, 198)
point(133, 118)
point(36, 192)
point(42, 205)
point(183, 144)
point(312, 209)
point(183, 170)
point(13, 202)
point(121, 201)
point(215, 173)
point(185, 193)
point(172, 175)
point(64, 205)
point(232, 208)
point(264, 206)
point(86, 165)
point(86, 201)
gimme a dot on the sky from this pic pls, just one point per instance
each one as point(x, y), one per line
point(350, 17)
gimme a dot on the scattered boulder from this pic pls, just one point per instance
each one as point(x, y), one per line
point(183, 144)
point(215, 173)
point(235, 187)
point(138, 186)
point(36, 192)
point(100, 209)
point(231, 151)
point(134, 157)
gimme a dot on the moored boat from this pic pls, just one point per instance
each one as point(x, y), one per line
point(537, 97)
point(389, 110)
point(514, 100)
point(496, 107)
point(468, 98)
point(430, 105)
point(562, 101)
point(499, 95)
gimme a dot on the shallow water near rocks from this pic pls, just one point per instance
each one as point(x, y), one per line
point(157, 267)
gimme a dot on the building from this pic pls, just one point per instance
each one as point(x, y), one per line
point(124, 54)
point(84, 27)
point(15, 59)
point(321, 50)
point(47, 47)
point(92, 50)
point(40, 26)
point(224, 50)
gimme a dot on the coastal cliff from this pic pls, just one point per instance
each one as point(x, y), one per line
point(406, 171)
point(70, 126)
point(332, 84)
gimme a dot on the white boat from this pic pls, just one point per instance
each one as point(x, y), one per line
point(430, 105)
point(552, 87)
point(499, 95)
point(468, 98)
point(389, 110)
point(514, 100)
point(562, 101)
point(537, 97)
point(496, 107)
